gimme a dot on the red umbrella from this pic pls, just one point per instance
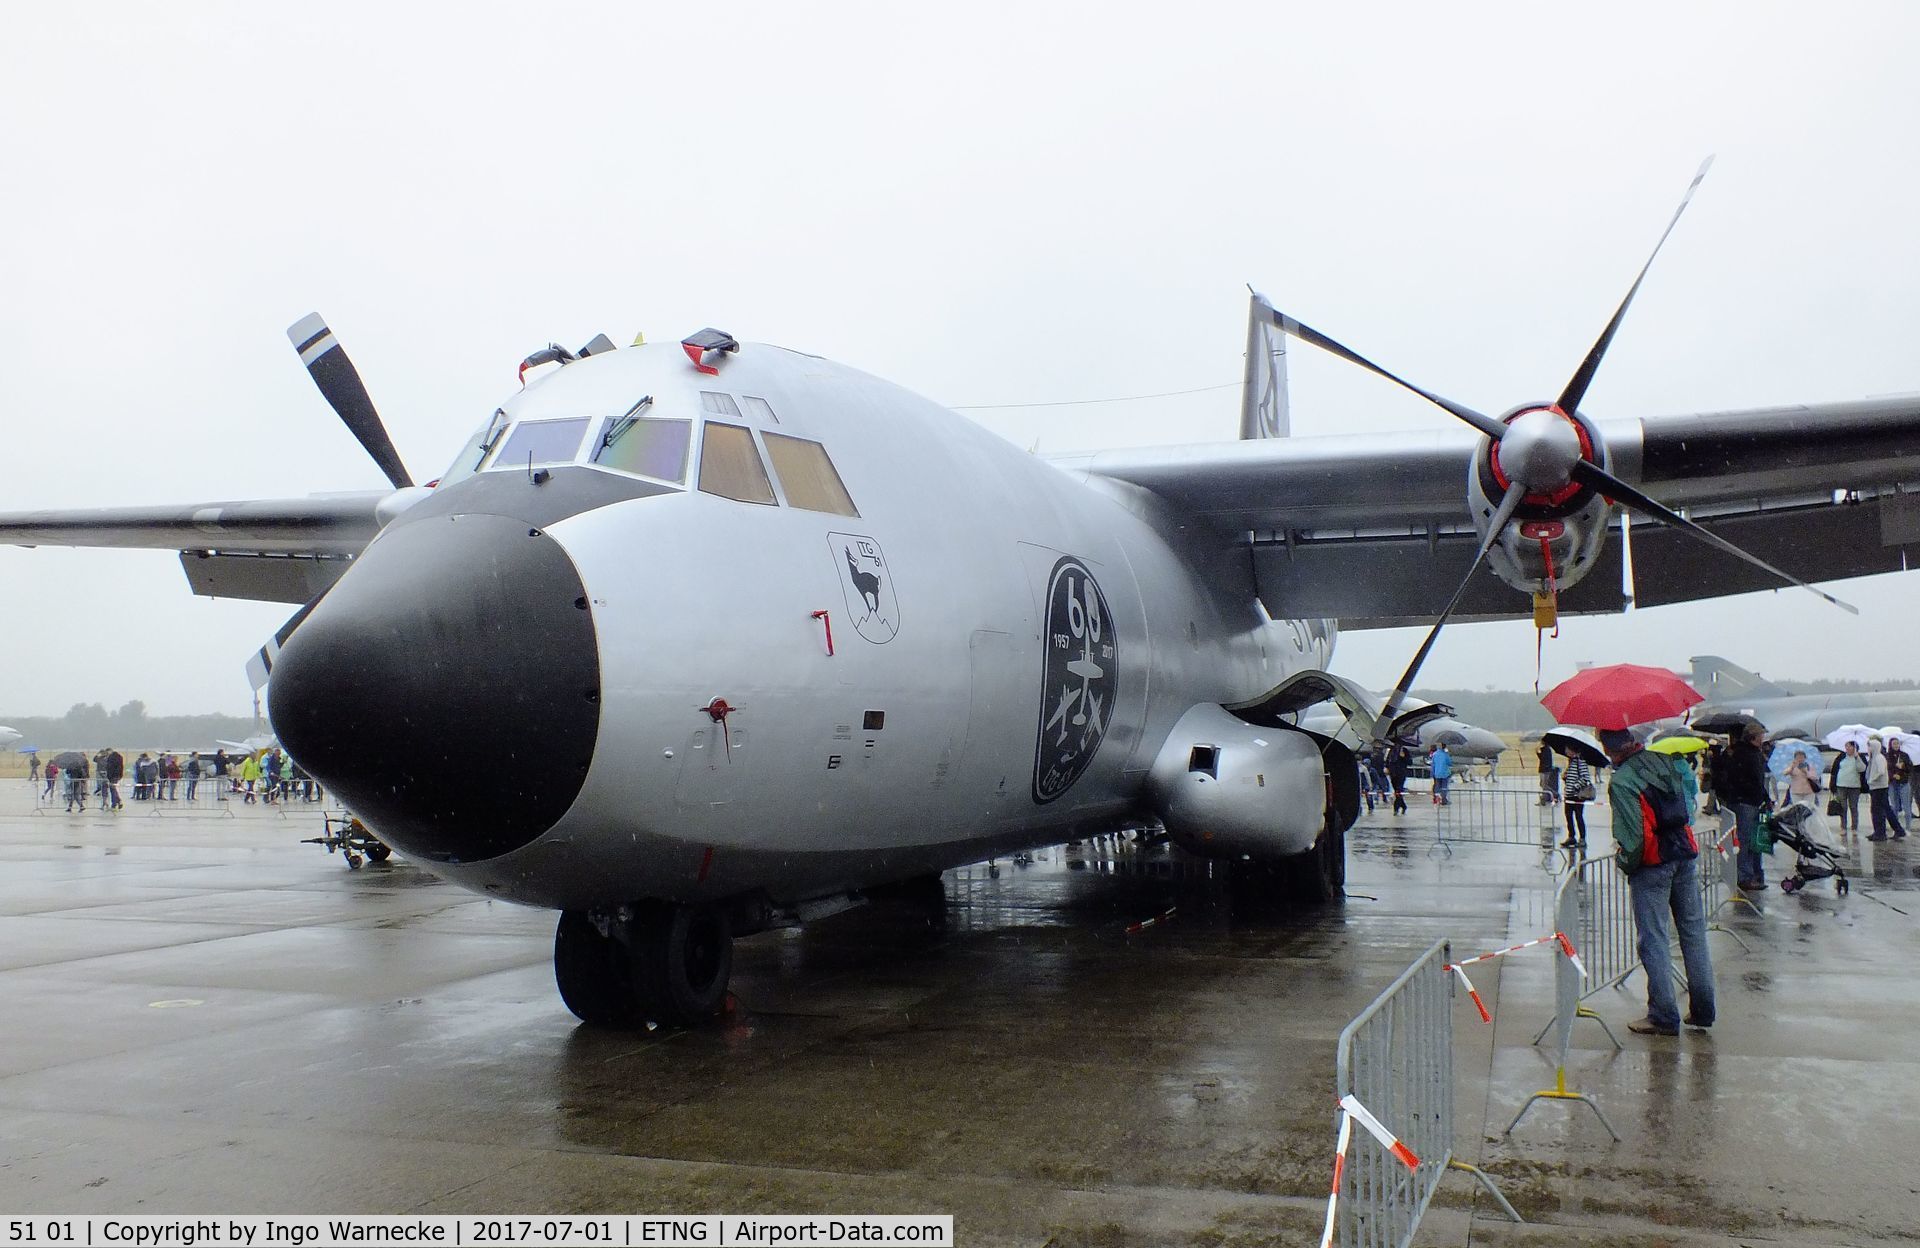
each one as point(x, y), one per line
point(1619, 696)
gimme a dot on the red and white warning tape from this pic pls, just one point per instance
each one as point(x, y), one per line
point(1478, 1004)
point(1378, 1129)
point(1134, 929)
point(1566, 947)
point(1339, 1168)
point(1352, 1111)
point(1573, 955)
point(1501, 953)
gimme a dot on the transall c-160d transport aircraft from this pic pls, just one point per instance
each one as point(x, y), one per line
point(743, 632)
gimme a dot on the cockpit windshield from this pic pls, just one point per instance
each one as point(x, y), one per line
point(645, 446)
point(661, 449)
point(535, 442)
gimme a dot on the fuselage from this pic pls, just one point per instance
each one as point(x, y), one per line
point(803, 679)
point(1814, 715)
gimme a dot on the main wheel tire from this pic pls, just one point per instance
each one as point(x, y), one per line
point(1299, 881)
point(379, 853)
point(682, 958)
point(594, 972)
point(1334, 846)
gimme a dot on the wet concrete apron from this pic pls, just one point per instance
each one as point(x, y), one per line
point(200, 1014)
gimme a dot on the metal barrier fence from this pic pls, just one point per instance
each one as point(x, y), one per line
point(1720, 877)
point(1601, 904)
point(1594, 906)
point(1501, 813)
point(1578, 908)
point(207, 794)
point(1608, 939)
point(1396, 1059)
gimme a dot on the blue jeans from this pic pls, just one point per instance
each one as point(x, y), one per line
point(1898, 797)
point(1752, 870)
point(1675, 887)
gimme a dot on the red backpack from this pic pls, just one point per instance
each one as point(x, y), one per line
point(1665, 833)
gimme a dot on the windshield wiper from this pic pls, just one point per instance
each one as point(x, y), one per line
point(619, 427)
point(491, 438)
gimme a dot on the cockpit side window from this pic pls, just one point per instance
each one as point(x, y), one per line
point(647, 447)
point(730, 465)
point(474, 453)
point(759, 409)
point(535, 442)
point(808, 475)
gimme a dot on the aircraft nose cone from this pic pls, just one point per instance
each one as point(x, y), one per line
point(447, 689)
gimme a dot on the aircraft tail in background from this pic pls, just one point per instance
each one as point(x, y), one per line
point(1263, 399)
point(1720, 681)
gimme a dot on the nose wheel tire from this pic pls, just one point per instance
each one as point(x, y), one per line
point(592, 971)
point(657, 963)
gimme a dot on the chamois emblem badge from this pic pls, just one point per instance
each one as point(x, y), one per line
point(867, 584)
point(1082, 672)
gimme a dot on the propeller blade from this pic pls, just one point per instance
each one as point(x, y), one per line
point(343, 390)
point(260, 666)
point(1501, 516)
point(1307, 333)
point(1583, 377)
point(1619, 491)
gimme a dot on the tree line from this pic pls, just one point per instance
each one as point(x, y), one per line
point(90, 725)
point(1501, 710)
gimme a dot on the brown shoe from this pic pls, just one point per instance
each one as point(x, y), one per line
point(1647, 1027)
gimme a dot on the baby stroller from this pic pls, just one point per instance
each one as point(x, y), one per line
point(1812, 860)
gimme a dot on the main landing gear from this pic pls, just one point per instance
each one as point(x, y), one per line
point(650, 962)
point(1315, 878)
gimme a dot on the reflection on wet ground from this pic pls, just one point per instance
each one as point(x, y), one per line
point(202, 1015)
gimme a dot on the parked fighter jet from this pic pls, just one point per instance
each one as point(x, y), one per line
point(693, 639)
point(7, 737)
point(1810, 716)
point(1424, 725)
point(252, 745)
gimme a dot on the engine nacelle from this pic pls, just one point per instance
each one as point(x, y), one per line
point(1568, 547)
point(1228, 788)
point(1558, 531)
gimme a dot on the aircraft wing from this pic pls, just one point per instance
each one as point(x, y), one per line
point(1374, 529)
point(272, 550)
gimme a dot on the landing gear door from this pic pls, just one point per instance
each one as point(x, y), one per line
point(1311, 687)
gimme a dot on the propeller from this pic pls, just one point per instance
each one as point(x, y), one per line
point(1583, 376)
point(1515, 493)
point(1542, 452)
point(260, 666)
point(341, 386)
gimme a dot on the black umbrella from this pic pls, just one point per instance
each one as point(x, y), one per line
point(66, 759)
point(1723, 723)
point(1576, 744)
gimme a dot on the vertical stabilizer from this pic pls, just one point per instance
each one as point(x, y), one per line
point(1721, 681)
point(1263, 399)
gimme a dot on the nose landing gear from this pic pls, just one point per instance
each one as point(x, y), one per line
point(651, 962)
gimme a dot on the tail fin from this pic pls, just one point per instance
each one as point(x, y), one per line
point(1721, 681)
point(1263, 400)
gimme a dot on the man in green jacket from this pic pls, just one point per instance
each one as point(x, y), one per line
point(1652, 819)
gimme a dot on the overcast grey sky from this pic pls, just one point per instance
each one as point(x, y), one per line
point(996, 204)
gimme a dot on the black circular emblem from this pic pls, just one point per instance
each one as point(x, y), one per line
point(1076, 700)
